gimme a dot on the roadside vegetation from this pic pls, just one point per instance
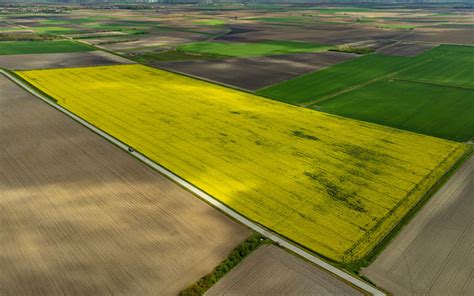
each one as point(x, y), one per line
point(234, 258)
point(351, 49)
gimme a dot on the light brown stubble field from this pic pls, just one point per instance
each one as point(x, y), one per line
point(80, 216)
point(271, 270)
point(60, 60)
point(433, 255)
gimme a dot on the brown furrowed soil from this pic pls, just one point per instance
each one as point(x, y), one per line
point(272, 271)
point(60, 60)
point(434, 254)
point(147, 40)
point(81, 217)
point(454, 36)
point(316, 33)
point(407, 49)
point(258, 72)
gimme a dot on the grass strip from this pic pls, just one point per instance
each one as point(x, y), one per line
point(235, 257)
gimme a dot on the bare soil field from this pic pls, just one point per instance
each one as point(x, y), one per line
point(407, 49)
point(60, 60)
point(96, 34)
point(82, 217)
point(316, 33)
point(258, 72)
point(433, 255)
point(150, 40)
point(272, 271)
point(373, 44)
point(454, 36)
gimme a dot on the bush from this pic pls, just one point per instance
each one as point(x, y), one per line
point(350, 49)
point(237, 255)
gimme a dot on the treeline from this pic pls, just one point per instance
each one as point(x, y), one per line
point(237, 255)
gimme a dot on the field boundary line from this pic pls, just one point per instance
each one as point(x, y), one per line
point(206, 197)
point(346, 90)
point(366, 83)
point(431, 83)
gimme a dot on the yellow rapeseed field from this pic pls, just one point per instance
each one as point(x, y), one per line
point(336, 186)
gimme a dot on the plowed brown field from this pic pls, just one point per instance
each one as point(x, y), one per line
point(81, 217)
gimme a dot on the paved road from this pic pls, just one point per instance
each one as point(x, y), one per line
point(434, 254)
point(267, 233)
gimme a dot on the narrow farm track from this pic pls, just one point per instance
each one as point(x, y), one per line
point(211, 200)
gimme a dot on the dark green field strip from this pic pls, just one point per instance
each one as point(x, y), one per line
point(56, 30)
point(241, 49)
point(436, 110)
point(452, 65)
point(445, 64)
point(330, 81)
point(25, 47)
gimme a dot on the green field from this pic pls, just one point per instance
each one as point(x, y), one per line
point(55, 30)
point(239, 49)
point(9, 29)
point(171, 55)
point(317, 85)
point(211, 22)
point(287, 19)
point(451, 65)
point(23, 47)
point(445, 64)
point(432, 93)
point(436, 110)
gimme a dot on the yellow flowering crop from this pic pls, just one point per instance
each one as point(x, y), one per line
point(334, 185)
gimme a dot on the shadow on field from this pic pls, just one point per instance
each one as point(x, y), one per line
point(80, 216)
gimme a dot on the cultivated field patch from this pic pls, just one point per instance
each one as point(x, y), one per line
point(406, 49)
point(253, 73)
point(327, 82)
point(436, 110)
point(334, 185)
point(25, 47)
point(60, 60)
point(272, 271)
point(239, 49)
point(433, 254)
point(446, 64)
point(442, 35)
